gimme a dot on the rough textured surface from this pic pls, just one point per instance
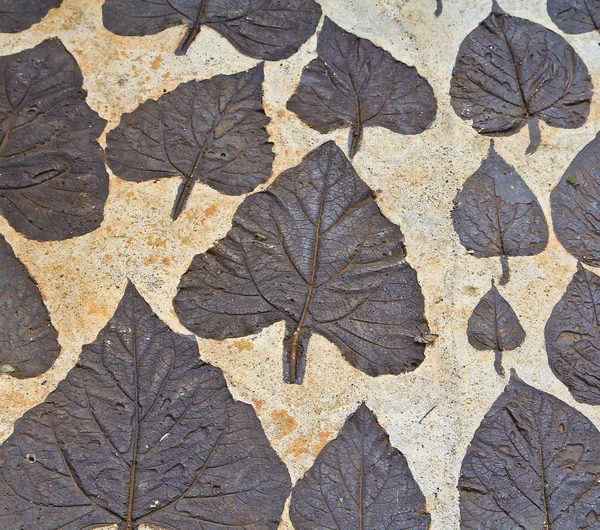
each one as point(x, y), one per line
point(416, 179)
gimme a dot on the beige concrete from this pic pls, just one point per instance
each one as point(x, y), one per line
point(416, 179)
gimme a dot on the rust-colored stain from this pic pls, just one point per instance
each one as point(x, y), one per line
point(210, 211)
point(258, 404)
point(155, 65)
point(285, 423)
point(243, 345)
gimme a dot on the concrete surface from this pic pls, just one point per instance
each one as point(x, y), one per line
point(416, 178)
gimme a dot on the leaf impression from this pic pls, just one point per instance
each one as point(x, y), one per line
point(359, 480)
point(17, 15)
point(496, 214)
point(574, 203)
point(355, 84)
point(315, 251)
point(573, 337)
point(510, 72)
point(439, 8)
point(575, 16)
point(270, 30)
point(141, 432)
point(213, 131)
point(53, 181)
point(533, 463)
point(495, 326)
point(28, 340)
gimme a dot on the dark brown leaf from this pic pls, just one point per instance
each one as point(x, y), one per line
point(575, 16)
point(28, 340)
point(53, 181)
point(315, 251)
point(359, 481)
point(575, 201)
point(19, 15)
point(355, 84)
point(213, 131)
point(496, 214)
point(439, 8)
point(573, 337)
point(140, 432)
point(264, 29)
point(533, 464)
point(495, 326)
point(511, 72)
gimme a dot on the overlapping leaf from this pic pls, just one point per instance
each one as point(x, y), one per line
point(315, 251)
point(573, 337)
point(213, 131)
point(496, 214)
point(53, 181)
point(19, 15)
point(574, 203)
point(140, 432)
point(264, 29)
point(495, 326)
point(511, 72)
point(533, 464)
point(575, 16)
point(28, 340)
point(355, 84)
point(359, 481)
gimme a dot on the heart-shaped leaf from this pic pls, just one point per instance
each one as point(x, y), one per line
point(214, 131)
point(19, 15)
point(575, 16)
point(355, 84)
point(510, 72)
point(496, 214)
point(28, 340)
point(315, 251)
point(495, 326)
point(53, 181)
point(359, 481)
point(533, 464)
point(141, 431)
point(574, 203)
point(264, 29)
point(573, 337)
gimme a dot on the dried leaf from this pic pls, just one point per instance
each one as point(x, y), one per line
point(53, 181)
point(573, 337)
point(355, 84)
point(575, 16)
point(439, 8)
point(264, 29)
point(510, 72)
point(496, 214)
point(19, 15)
point(359, 481)
point(315, 251)
point(533, 464)
point(28, 340)
point(140, 432)
point(495, 326)
point(213, 131)
point(574, 203)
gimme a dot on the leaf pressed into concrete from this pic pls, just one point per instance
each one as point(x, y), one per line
point(53, 181)
point(264, 29)
point(533, 464)
point(28, 340)
point(495, 326)
point(213, 131)
point(439, 8)
point(140, 432)
point(510, 72)
point(573, 337)
point(575, 16)
point(355, 84)
point(496, 214)
point(315, 251)
point(359, 481)
point(574, 203)
point(19, 15)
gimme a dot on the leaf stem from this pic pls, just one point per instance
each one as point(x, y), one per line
point(535, 136)
point(184, 192)
point(192, 32)
point(439, 8)
point(505, 270)
point(355, 137)
point(498, 363)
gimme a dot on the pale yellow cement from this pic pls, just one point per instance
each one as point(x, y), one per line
point(416, 178)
